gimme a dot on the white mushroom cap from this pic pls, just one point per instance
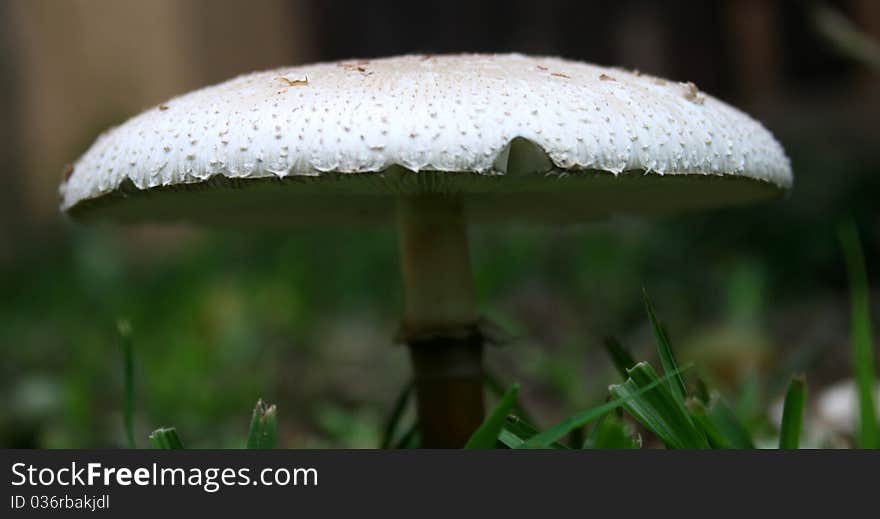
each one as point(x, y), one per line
point(517, 137)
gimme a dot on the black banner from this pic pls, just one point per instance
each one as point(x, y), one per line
point(428, 483)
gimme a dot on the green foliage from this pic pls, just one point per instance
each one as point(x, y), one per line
point(611, 432)
point(220, 317)
point(517, 431)
point(391, 425)
point(720, 424)
point(660, 404)
point(793, 414)
point(627, 397)
point(861, 336)
point(410, 438)
point(486, 436)
point(664, 349)
point(165, 438)
point(497, 388)
point(735, 433)
point(700, 415)
point(263, 432)
point(658, 409)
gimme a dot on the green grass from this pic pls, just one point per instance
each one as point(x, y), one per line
point(486, 436)
point(263, 432)
point(517, 431)
point(660, 403)
point(645, 408)
point(629, 397)
point(793, 414)
point(659, 410)
point(611, 432)
point(165, 438)
point(221, 317)
point(498, 389)
point(393, 422)
point(664, 349)
point(861, 336)
point(666, 409)
point(725, 421)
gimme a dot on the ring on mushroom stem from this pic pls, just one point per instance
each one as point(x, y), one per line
point(431, 141)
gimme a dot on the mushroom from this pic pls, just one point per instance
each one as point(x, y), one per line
point(433, 142)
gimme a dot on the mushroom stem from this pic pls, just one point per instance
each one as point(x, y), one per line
point(440, 319)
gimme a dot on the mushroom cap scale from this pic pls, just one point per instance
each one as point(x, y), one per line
point(517, 137)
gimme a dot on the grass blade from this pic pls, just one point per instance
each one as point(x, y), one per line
point(793, 414)
point(862, 343)
point(722, 427)
point(510, 439)
point(727, 421)
point(700, 414)
point(546, 438)
point(611, 433)
point(395, 416)
point(410, 439)
point(657, 409)
point(621, 358)
point(518, 431)
point(555, 433)
point(496, 387)
point(124, 329)
point(664, 349)
point(165, 438)
point(263, 432)
point(486, 435)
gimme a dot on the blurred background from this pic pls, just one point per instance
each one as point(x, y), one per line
point(304, 318)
